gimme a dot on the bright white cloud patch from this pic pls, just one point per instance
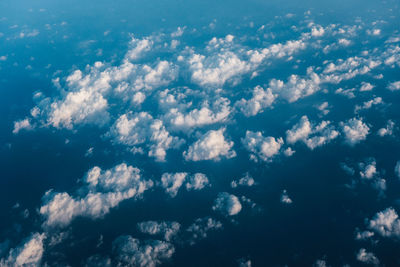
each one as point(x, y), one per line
point(197, 181)
point(386, 223)
point(394, 86)
point(227, 204)
point(247, 180)
point(105, 190)
point(355, 131)
point(172, 182)
point(27, 254)
point(130, 251)
point(285, 198)
point(260, 100)
point(261, 148)
point(24, 124)
point(211, 146)
point(388, 130)
point(135, 130)
point(312, 135)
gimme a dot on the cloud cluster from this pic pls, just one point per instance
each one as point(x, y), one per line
point(167, 229)
point(355, 131)
point(211, 146)
point(104, 190)
point(260, 147)
point(227, 204)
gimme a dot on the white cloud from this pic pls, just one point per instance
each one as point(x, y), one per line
point(130, 251)
point(386, 223)
point(261, 100)
point(369, 104)
point(285, 198)
point(367, 257)
point(138, 47)
point(312, 136)
point(172, 182)
point(105, 190)
point(394, 86)
point(167, 229)
point(24, 124)
point(364, 235)
point(366, 87)
point(200, 228)
point(296, 87)
point(197, 181)
point(210, 146)
point(368, 171)
point(247, 180)
point(263, 148)
point(27, 254)
point(134, 130)
point(388, 130)
point(355, 130)
point(227, 204)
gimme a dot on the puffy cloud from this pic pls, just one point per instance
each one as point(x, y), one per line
point(364, 235)
point(296, 87)
point(355, 130)
point(130, 251)
point(247, 180)
point(386, 223)
point(227, 204)
point(367, 257)
point(27, 254)
point(211, 146)
point(366, 87)
point(172, 182)
point(368, 171)
point(24, 124)
point(167, 229)
point(180, 119)
point(137, 47)
point(394, 86)
point(105, 190)
point(197, 182)
point(312, 136)
point(388, 130)
point(263, 148)
point(369, 104)
point(261, 100)
point(285, 198)
point(138, 129)
point(200, 228)
point(244, 262)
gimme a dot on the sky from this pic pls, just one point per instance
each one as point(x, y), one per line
point(199, 133)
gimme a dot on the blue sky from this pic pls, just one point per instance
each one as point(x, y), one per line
point(204, 134)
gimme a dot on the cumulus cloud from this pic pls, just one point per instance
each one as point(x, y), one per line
point(134, 130)
point(24, 124)
point(386, 223)
point(227, 204)
point(394, 86)
point(366, 87)
point(388, 130)
point(200, 228)
point(197, 181)
point(210, 146)
point(260, 147)
point(369, 104)
point(167, 229)
point(27, 254)
point(130, 251)
point(368, 170)
point(355, 130)
point(367, 257)
point(296, 87)
point(105, 190)
point(247, 180)
point(312, 135)
point(260, 100)
point(172, 182)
